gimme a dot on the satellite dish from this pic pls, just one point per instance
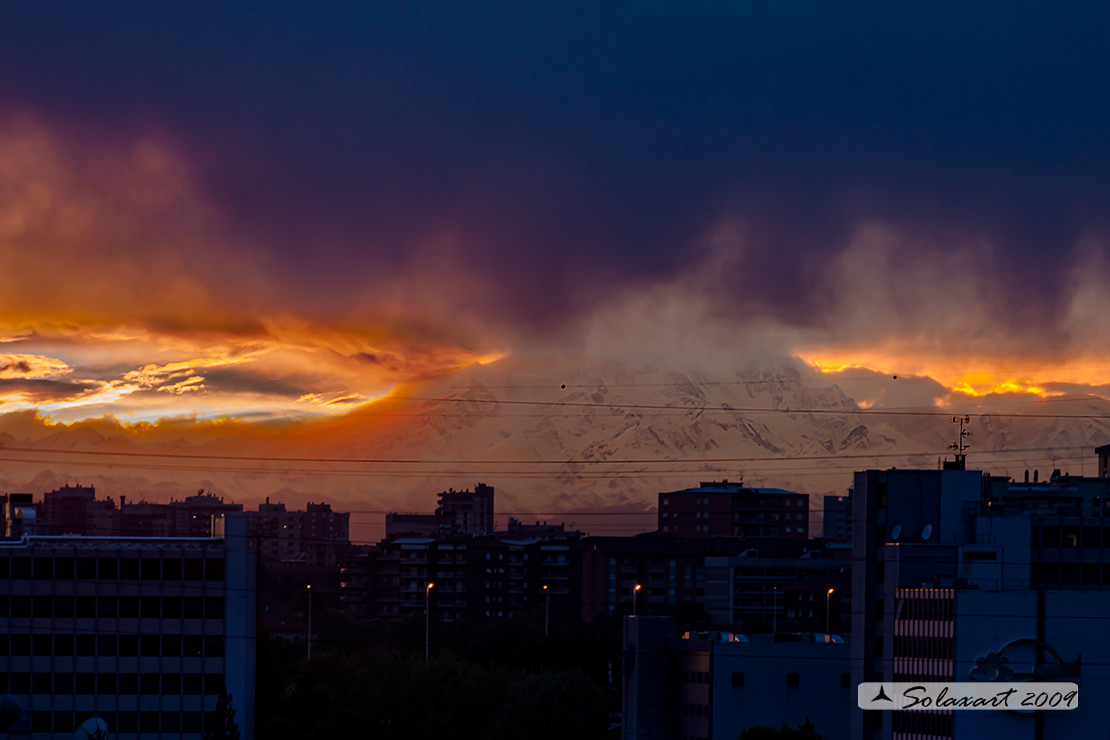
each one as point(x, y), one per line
point(10, 710)
point(896, 533)
point(94, 728)
point(927, 532)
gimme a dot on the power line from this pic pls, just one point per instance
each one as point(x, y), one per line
point(516, 461)
point(736, 410)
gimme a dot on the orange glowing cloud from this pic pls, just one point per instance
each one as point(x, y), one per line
point(120, 295)
point(31, 366)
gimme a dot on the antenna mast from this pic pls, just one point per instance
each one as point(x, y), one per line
point(960, 446)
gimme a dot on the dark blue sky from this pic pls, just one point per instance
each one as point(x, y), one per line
point(568, 146)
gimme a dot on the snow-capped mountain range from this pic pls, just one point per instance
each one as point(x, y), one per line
point(560, 435)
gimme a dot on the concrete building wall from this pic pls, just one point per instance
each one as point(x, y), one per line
point(145, 633)
point(769, 683)
point(645, 692)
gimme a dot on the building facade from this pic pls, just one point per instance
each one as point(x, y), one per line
point(146, 634)
point(716, 685)
point(729, 509)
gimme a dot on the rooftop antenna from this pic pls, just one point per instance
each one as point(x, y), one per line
point(960, 446)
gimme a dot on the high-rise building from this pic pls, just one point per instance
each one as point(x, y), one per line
point(316, 537)
point(897, 506)
point(837, 518)
point(964, 576)
point(729, 509)
point(467, 512)
point(145, 633)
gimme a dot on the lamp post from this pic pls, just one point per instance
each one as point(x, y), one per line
point(635, 590)
point(546, 610)
point(427, 618)
point(309, 589)
point(828, 595)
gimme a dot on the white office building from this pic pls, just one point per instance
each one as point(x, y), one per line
point(144, 633)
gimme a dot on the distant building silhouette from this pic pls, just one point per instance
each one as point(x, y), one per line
point(467, 512)
point(837, 518)
point(730, 509)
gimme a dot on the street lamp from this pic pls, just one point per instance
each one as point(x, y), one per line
point(427, 618)
point(546, 610)
point(775, 611)
point(309, 589)
point(828, 595)
point(635, 590)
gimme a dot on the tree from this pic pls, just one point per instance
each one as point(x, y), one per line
point(226, 728)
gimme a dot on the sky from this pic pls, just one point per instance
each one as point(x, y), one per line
point(288, 210)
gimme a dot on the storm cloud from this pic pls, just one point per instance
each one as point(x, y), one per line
point(376, 192)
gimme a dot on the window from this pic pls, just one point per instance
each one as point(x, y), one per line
point(106, 605)
point(63, 683)
point(149, 646)
point(1050, 536)
point(151, 569)
point(129, 646)
point(86, 606)
point(171, 646)
point(128, 683)
point(21, 683)
point(63, 568)
point(148, 721)
point(150, 684)
point(129, 606)
point(151, 607)
point(108, 569)
point(192, 684)
point(40, 721)
point(63, 606)
point(63, 645)
point(171, 606)
point(129, 569)
point(41, 683)
point(43, 607)
point(86, 683)
point(213, 569)
point(21, 568)
point(128, 722)
point(63, 722)
point(21, 606)
point(213, 684)
point(190, 722)
point(171, 683)
point(194, 569)
point(44, 569)
point(171, 571)
point(193, 607)
point(171, 722)
point(792, 680)
point(86, 569)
